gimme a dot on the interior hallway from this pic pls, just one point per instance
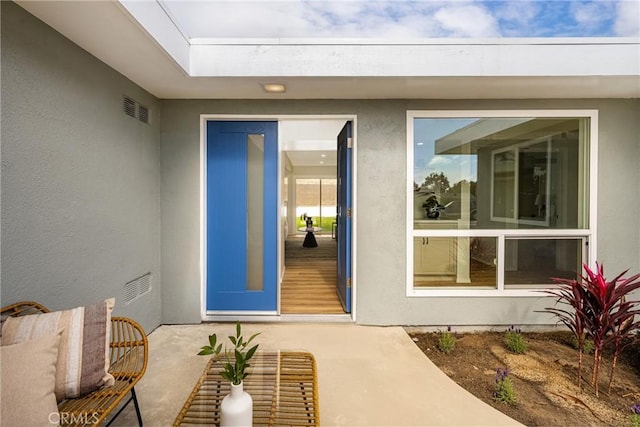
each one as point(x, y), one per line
point(367, 376)
point(309, 283)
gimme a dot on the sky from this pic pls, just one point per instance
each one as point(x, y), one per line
point(455, 167)
point(406, 19)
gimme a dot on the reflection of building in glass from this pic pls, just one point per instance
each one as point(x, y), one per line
point(526, 175)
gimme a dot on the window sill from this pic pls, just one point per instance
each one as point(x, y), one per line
point(467, 292)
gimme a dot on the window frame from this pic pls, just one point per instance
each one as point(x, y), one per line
point(587, 180)
point(516, 218)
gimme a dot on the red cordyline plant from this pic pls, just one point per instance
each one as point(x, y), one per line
point(599, 308)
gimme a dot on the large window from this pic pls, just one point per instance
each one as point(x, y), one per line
point(316, 198)
point(498, 201)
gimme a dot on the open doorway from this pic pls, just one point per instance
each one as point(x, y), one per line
point(309, 191)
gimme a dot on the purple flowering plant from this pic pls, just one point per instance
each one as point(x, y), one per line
point(503, 390)
point(635, 415)
point(514, 340)
point(501, 374)
point(447, 341)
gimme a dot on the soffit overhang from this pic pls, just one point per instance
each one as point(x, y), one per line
point(139, 40)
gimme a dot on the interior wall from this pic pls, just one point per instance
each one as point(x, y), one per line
point(380, 217)
point(316, 171)
point(80, 179)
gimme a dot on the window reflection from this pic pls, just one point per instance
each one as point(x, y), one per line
point(537, 261)
point(453, 261)
point(498, 175)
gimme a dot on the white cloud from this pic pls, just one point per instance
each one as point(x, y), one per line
point(467, 21)
point(627, 22)
point(521, 12)
point(439, 161)
point(333, 18)
point(592, 13)
point(394, 19)
point(377, 19)
point(518, 18)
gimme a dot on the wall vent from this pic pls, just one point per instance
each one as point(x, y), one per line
point(129, 106)
point(143, 114)
point(134, 109)
point(136, 288)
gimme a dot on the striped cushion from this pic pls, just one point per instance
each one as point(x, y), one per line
point(83, 357)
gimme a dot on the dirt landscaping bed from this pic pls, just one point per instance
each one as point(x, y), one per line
point(544, 378)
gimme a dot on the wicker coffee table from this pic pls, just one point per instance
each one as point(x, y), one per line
point(283, 386)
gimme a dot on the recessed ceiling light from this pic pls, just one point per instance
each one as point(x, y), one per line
point(322, 163)
point(274, 87)
point(323, 155)
point(420, 143)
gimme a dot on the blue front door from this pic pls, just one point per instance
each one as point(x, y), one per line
point(344, 217)
point(241, 216)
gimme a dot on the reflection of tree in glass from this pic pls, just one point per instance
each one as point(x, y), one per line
point(440, 199)
point(437, 182)
point(457, 187)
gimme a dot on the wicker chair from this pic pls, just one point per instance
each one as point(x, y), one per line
point(128, 354)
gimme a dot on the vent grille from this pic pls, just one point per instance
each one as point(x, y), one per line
point(136, 288)
point(143, 114)
point(129, 106)
point(133, 109)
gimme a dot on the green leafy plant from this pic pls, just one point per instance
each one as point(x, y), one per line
point(597, 307)
point(504, 391)
point(237, 359)
point(447, 341)
point(514, 341)
point(635, 415)
point(587, 344)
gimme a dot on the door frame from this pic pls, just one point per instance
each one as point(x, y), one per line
point(270, 316)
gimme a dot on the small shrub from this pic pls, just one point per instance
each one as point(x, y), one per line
point(504, 391)
point(515, 341)
point(447, 341)
point(587, 344)
point(635, 416)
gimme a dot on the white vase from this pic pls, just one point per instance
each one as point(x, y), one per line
point(236, 408)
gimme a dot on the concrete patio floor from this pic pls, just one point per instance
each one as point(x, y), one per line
point(367, 376)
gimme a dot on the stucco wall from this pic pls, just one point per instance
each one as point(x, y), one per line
point(381, 192)
point(87, 192)
point(80, 179)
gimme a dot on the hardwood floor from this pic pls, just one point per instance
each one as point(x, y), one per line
point(484, 276)
point(481, 275)
point(309, 283)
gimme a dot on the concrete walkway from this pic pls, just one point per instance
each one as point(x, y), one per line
point(367, 376)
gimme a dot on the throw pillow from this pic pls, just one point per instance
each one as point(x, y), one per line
point(28, 378)
point(83, 358)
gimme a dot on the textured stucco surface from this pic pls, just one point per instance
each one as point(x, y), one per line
point(380, 201)
point(92, 198)
point(80, 179)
